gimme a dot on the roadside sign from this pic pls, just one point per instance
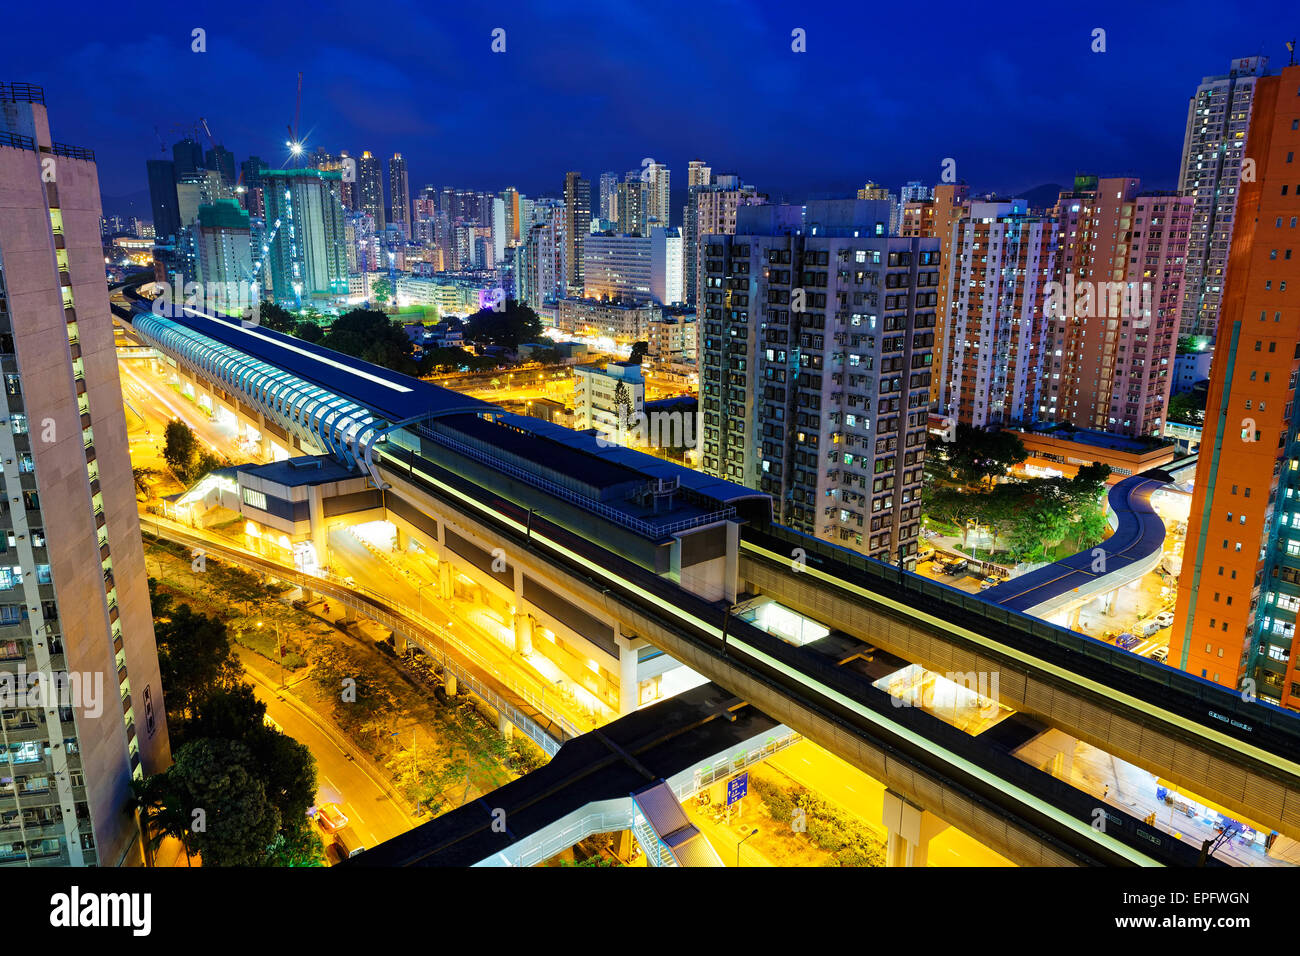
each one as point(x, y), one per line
point(737, 787)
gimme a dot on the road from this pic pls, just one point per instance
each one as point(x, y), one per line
point(342, 775)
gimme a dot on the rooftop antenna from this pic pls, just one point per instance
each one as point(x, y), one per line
point(1290, 47)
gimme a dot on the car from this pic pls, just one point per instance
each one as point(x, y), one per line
point(330, 818)
point(990, 582)
point(956, 567)
point(1160, 654)
point(1164, 619)
point(925, 554)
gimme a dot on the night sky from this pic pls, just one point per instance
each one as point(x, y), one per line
point(1011, 91)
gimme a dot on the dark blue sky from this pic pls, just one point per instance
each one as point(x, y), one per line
point(1011, 91)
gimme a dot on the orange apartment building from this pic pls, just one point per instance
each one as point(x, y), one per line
point(1240, 587)
point(1121, 261)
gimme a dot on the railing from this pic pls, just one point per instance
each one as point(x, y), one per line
point(421, 631)
point(72, 152)
point(22, 93)
point(17, 141)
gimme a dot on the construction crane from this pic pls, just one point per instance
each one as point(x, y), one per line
point(294, 144)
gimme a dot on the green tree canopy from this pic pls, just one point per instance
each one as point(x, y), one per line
point(516, 323)
point(276, 318)
point(373, 337)
point(975, 456)
point(219, 779)
point(194, 657)
point(180, 448)
point(639, 352)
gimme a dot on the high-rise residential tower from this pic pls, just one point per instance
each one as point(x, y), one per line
point(75, 605)
point(1218, 125)
point(399, 194)
point(608, 196)
point(658, 205)
point(1115, 324)
point(996, 335)
point(370, 179)
point(818, 331)
point(577, 211)
point(1239, 591)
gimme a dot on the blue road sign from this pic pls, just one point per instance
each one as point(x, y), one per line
point(737, 787)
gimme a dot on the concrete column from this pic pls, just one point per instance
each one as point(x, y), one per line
point(316, 517)
point(506, 728)
point(400, 538)
point(307, 596)
point(523, 633)
point(445, 571)
point(1063, 763)
point(449, 683)
point(1075, 615)
point(349, 615)
point(627, 683)
point(910, 831)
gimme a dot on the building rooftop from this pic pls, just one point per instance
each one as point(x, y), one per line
point(306, 470)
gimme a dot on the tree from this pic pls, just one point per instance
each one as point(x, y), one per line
point(373, 337)
point(382, 290)
point(639, 352)
point(194, 658)
point(514, 324)
point(1188, 408)
point(975, 456)
point(239, 823)
point(276, 318)
point(142, 478)
point(308, 331)
point(179, 448)
point(286, 767)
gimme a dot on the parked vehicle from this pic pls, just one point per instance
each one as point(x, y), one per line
point(990, 582)
point(330, 818)
point(1164, 619)
point(1126, 642)
point(1160, 654)
point(348, 842)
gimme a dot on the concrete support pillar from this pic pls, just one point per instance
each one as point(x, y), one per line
point(316, 516)
point(523, 633)
point(349, 615)
point(628, 692)
point(910, 831)
point(400, 538)
point(445, 572)
point(623, 844)
point(1108, 601)
point(506, 728)
point(308, 595)
point(449, 683)
point(1075, 615)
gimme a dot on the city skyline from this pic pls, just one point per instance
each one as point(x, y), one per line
point(561, 93)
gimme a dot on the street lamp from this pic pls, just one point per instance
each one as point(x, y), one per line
point(752, 832)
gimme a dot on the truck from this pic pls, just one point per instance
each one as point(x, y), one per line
point(348, 842)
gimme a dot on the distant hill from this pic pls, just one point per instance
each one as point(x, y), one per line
point(1042, 196)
